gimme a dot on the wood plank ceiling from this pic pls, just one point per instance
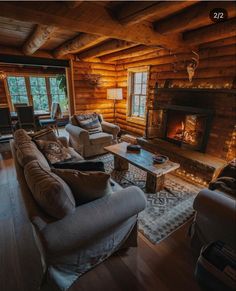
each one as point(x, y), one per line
point(111, 31)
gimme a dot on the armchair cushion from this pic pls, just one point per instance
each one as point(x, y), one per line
point(99, 138)
point(85, 186)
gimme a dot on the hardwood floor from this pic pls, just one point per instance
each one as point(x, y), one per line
point(168, 265)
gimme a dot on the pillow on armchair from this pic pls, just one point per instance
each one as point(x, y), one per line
point(90, 122)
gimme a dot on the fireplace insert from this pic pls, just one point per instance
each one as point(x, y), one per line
point(187, 127)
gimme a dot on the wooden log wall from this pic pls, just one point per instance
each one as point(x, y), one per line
point(90, 97)
point(3, 95)
point(216, 70)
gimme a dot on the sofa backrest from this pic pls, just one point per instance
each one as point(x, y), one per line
point(24, 152)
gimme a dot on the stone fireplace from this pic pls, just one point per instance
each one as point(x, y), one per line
point(187, 127)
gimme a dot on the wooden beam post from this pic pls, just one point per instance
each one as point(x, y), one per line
point(100, 22)
point(211, 32)
point(40, 35)
point(105, 48)
point(81, 42)
point(134, 12)
point(192, 17)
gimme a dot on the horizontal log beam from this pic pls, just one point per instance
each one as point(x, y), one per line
point(219, 43)
point(211, 32)
point(41, 34)
point(81, 42)
point(192, 17)
point(105, 48)
point(134, 12)
point(100, 23)
point(73, 4)
point(167, 59)
point(128, 53)
point(199, 73)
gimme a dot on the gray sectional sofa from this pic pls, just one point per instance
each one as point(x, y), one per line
point(84, 237)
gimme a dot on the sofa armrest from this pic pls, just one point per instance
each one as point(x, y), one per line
point(110, 128)
point(78, 133)
point(91, 220)
point(64, 141)
point(216, 206)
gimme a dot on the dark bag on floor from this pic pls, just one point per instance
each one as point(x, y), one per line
point(216, 267)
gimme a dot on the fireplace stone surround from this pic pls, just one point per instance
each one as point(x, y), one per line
point(202, 165)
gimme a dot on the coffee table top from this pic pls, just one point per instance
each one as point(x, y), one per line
point(142, 160)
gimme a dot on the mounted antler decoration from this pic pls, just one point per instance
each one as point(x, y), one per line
point(192, 65)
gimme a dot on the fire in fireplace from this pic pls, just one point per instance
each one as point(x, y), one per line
point(187, 127)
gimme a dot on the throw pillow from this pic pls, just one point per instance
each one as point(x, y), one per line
point(53, 151)
point(44, 134)
point(89, 122)
point(50, 192)
point(81, 165)
point(85, 186)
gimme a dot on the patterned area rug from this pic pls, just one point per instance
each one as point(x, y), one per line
point(166, 210)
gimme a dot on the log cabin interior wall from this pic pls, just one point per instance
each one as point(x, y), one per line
point(160, 34)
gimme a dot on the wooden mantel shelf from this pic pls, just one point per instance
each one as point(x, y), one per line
point(229, 91)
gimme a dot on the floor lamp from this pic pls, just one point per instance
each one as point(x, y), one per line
point(114, 94)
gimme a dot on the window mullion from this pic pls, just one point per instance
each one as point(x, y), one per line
point(48, 88)
point(28, 90)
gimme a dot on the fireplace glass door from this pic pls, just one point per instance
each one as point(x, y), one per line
point(185, 129)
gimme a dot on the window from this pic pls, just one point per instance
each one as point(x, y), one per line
point(58, 94)
point(39, 91)
point(17, 89)
point(137, 93)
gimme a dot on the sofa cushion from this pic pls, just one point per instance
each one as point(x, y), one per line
point(54, 151)
point(28, 152)
point(21, 137)
point(85, 186)
point(101, 137)
point(50, 192)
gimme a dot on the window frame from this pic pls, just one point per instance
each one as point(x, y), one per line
point(130, 93)
point(28, 88)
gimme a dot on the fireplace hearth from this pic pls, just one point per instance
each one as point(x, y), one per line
point(187, 127)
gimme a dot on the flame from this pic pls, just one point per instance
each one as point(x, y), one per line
point(182, 126)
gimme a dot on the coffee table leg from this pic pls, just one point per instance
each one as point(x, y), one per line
point(120, 164)
point(154, 184)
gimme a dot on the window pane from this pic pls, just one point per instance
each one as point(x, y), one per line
point(39, 93)
point(144, 77)
point(137, 88)
point(144, 89)
point(58, 93)
point(17, 89)
point(139, 93)
point(137, 77)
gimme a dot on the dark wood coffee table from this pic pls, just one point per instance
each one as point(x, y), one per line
point(143, 160)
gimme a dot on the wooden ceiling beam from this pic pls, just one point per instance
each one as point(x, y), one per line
point(84, 20)
point(105, 48)
point(39, 37)
point(135, 51)
point(211, 33)
point(81, 42)
point(195, 16)
point(134, 12)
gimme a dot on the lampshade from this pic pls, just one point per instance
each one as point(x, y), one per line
point(114, 93)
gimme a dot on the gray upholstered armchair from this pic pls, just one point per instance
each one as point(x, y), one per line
point(91, 144)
